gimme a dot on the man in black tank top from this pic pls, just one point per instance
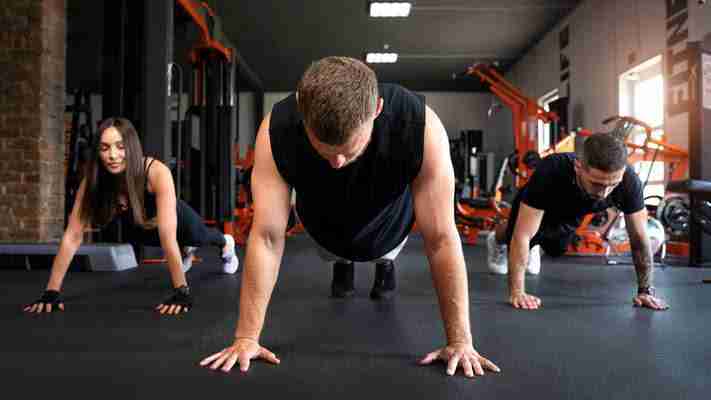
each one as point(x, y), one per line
point(365, 160)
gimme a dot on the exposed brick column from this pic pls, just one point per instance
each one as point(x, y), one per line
point(32, 91)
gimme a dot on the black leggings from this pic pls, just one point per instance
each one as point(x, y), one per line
point(191, 230)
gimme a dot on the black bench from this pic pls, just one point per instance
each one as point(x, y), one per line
point(699, 192)
point(99, 256)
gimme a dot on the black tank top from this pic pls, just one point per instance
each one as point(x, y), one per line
point(361, 211)
point(149, 199)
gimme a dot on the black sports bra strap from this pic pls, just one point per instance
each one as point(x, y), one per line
point(147, 169)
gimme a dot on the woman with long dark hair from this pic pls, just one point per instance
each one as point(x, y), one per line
point(119, 182)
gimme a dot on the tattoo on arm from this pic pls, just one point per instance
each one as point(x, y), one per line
point(517, 276)
point(643, 262)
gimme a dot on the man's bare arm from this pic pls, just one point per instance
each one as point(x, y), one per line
point(434, 208)
point(642, 255)
point(527, 224)
point(433, 193)
point(643, 258)
point(265, 244)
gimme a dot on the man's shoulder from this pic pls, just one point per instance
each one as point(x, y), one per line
point(402, 103)
point(286, 104)
point(557, 162)
point(630, 180)
point(284, 113)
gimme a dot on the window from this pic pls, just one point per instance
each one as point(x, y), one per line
point(544, 138)
point(642, 97)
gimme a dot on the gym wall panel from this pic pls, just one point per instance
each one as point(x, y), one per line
point(652, 30)
point(700, 22)
point(594, 68)
point(583, 54)
point(606, 65)
point(627, 32)
point(603, 34)
point(499, 135)
point(460, 111)
point(245, 119)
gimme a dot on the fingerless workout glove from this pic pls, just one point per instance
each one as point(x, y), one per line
point(181, 297)
point(52, 297)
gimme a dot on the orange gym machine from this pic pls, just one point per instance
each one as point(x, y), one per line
point(483, 213)
point(593, 233)
point(525, 116)
point(672, 211)
point(244, 211)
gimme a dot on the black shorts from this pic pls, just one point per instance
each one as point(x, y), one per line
point(553, 237)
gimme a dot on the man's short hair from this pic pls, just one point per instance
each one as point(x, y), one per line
point(604, 152)
point(335, 96)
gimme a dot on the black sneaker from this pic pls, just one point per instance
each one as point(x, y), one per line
point(384, 283)
point(342, 285)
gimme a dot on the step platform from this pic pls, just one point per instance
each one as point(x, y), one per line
point(90, 257)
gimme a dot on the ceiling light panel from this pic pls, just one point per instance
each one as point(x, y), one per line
point(395, 9)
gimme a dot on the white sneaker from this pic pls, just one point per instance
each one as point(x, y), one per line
point(534, 260)
point(188, 253)
point(230, 262)
point(497, 255)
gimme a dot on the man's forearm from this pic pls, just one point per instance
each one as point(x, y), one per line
point(643, 261)
point(258, 280)
point(518, 259)
point(450, 280)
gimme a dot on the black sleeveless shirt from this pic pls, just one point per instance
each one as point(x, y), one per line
point(149, 200)
point(361, 211)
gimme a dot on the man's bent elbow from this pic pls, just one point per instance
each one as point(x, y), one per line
point(270, 238)
point(435, 242)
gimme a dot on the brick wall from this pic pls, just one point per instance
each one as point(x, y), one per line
point(32, 87)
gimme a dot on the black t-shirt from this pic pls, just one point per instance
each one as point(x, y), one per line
point(553, 189)
point(365, 209)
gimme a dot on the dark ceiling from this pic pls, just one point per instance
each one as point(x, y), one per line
point(280, 38)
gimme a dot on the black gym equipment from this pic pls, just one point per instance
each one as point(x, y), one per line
point(698, 187)
point(674, 213)
point(81, 138)
point(693, 214)
point(473, 169)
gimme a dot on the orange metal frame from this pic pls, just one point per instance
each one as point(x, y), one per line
point(244, 211)
point(207, 43)
point(525, 111)
point(525, 114)
point(472, 218)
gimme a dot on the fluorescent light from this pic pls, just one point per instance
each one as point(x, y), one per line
point(391, 9)
point(375, 58)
